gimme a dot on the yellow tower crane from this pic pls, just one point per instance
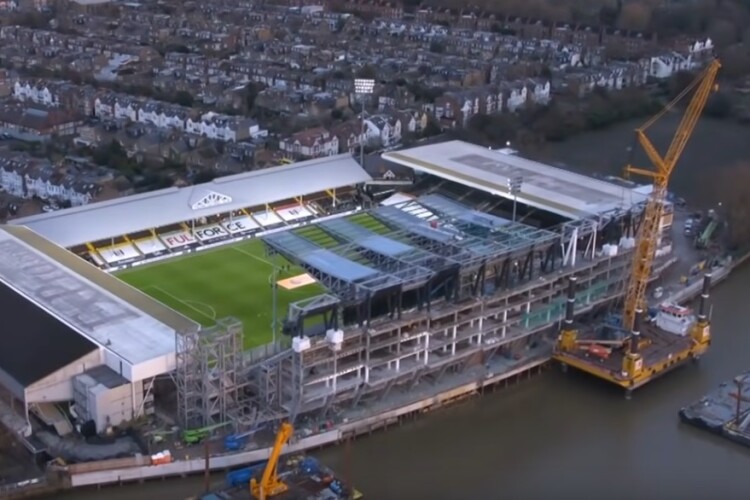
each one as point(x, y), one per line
point(270, 485)
point(648, 233)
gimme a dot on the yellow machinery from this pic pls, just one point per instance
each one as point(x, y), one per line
point(270, 485)
point(648, 234)
point(596, 356)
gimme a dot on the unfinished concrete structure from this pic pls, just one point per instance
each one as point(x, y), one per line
point(429, 286)
point(453, 288)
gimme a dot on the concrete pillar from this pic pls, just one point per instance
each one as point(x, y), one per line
point(426, 349)
point(505, 318)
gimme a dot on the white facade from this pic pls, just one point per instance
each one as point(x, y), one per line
point(12, 182)
point(224, 128)
point(103, 397)
point(104, 108)
point(26, 186)
point(702, 47)
point(126, 109)
point(40, 94)
point(323, 144)
point(213, 130)
point(45, 190)
point(540, 92)
point(58, 386)
point(161, 117)
point(664, 66)
point(383, 129)
point(517, 98)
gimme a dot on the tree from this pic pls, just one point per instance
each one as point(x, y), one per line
point(608, 14)
point(733, 192)
point(183, 98)
point(719, 105)
point(437, 47)
point(735, 61)
point(634, 16)
point(367, 71)
point(432, 128)
point(251, 91)
point(679, 82)
point(204, 176)
point(494, 130)
point(722, 32)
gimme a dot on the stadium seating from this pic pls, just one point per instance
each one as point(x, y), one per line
point(267, 218)
point(158, 242)
point(294, 213)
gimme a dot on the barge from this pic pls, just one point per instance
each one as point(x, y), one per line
point(724, 411)
point(305, 477)
point(285, 478)
point(660, 341)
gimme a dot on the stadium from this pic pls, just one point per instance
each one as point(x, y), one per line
point(301, 289)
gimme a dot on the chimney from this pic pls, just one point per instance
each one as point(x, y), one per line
point(704, 298)
point(571, 302)
point(636, 334)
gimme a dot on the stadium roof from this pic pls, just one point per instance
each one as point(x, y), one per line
point(549, 188)
point(136, 332)
point(412, 245)
point(108, 219)
point(35, 344)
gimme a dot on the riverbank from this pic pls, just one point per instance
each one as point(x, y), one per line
point(473, 383)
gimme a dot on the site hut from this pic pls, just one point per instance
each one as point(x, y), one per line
point(92, 344)
point(439, 278)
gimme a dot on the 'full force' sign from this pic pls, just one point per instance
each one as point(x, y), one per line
point(240, 225)
point(207, 233)
point(177, 239)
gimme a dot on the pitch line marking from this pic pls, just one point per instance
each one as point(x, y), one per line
point(160, 289)
point(202, 304)
point(237, 249)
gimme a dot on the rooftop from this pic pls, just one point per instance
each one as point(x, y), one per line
point(132, 328)
point(549, 188)
point(35, 344)
point(403, 245)
point(109, 219)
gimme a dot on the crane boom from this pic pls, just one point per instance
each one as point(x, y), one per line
point(648, 233)
point(270, 485)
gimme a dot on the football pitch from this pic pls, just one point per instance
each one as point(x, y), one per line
point(232, 280)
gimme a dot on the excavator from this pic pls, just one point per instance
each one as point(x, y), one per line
point(270, 485)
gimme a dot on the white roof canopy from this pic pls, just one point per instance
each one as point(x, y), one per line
point(542, 186)
point(109, 219)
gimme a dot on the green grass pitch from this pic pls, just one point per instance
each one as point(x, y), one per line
point(232, 280)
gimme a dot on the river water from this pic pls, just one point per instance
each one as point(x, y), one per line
point(566, 435)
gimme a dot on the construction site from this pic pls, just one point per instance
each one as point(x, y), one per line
point(486, 267)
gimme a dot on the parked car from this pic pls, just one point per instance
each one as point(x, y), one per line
point(689, 226)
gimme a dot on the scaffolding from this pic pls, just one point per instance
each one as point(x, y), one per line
point(453, 288)
point(369, 363)
point(492, 288)
point(210, 377)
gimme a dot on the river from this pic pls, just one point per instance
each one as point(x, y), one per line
point(567, 436)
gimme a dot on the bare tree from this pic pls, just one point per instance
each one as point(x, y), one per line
point(733, 192)
point(634, 16)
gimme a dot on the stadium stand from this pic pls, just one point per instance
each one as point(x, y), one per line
point(63, 317)
point(176, 220)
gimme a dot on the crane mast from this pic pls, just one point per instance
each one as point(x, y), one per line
point(648, 232)
point(270, 484)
